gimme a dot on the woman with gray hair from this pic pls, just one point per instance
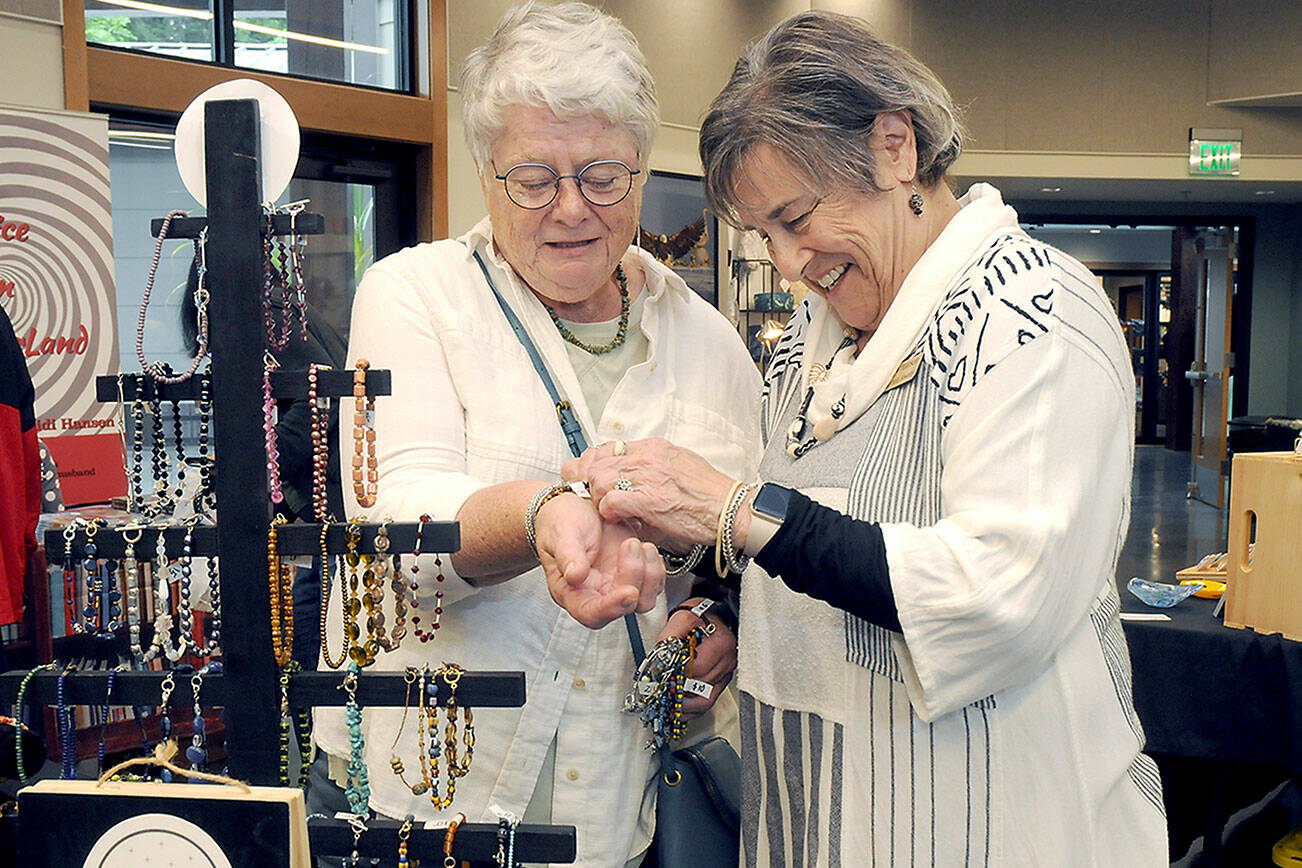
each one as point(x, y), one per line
point(560, 115)
point(932, 668)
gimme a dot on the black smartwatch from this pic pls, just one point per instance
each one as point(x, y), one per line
point(767, 513)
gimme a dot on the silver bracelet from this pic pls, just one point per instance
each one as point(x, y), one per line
point(736, 561)
point(677, 565)
point(539, 499)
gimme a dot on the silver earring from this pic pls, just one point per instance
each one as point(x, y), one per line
point(915, 202)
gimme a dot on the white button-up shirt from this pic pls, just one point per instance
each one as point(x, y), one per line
point(468, 410)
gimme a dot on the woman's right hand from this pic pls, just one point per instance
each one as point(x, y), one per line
point(665, 493)
point(596, 570)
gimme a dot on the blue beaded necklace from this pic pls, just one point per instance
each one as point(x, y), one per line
point(358, 792)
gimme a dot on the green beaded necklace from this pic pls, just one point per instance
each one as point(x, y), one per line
point(618, 339)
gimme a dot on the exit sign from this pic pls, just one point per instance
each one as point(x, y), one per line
point(1215, 152)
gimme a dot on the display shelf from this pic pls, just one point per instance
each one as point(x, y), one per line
point(294, 539)
point(303, 223)
point(476, 842)
point(331, 383)
point(486, 689)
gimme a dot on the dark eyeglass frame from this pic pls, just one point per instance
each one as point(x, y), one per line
point(556, 186)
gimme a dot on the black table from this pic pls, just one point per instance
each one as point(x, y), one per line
point(1222, 713)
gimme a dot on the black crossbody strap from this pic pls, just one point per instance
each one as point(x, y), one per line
point(564, 413)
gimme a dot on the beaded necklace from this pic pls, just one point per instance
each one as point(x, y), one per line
point(320, 428)
point(348, 595)
point(19, 709)
point(197, 752)
point(165, 716)
point(155, 370)
point(325, 600)
point(286, 671)
point(280, 580)
point(90, 569)
point(451, 674)
point(620, 334)
point(70, 613)
point(206, 494)
point(103, 721)
point(137, 470)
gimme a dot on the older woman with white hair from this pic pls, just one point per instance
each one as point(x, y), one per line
point(560, 115)
point(932, 669)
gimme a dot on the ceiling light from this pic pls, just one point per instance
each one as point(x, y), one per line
point(1265, 193)
point(1050, 189)
point(1096, 231)
point(141, 134)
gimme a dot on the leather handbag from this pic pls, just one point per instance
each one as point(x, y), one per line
point(698, 807)
point(698, 800)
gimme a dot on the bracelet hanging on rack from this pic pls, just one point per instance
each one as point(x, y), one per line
point(404, 833)
point(325, 600)
point(156, 370)
point(456, 768)
point(427, 737)
point(448, 837)
point(137, 459)
point(197, 752)
point(165, 716)
point(364, 437)
point(286, 671)
point(70, 613)
point(131, 534)
point(110, 594)
point(395, 761)
point(398, 585)
point(297, 253)
point(100, 749)
point(437, 611)
point(179, 438)
point(380, 566)
point(206, 495)
point(269, 429)
point(93, 616)
point(348, 594)
point(184, 604)
point(67, 728)
point(358, 791)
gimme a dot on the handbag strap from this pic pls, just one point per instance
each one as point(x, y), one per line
point(565, 413)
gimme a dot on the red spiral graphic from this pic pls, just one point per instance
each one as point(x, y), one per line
point(57, 283)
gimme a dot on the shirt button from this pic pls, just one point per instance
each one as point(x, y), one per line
point(579, 684)
point(572, 774)
point(618, 427)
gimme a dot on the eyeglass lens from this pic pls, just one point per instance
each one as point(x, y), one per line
point(533, 185)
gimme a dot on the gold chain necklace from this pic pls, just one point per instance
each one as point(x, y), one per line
point(618, 339)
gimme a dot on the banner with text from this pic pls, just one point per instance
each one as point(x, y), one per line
point(56, 284)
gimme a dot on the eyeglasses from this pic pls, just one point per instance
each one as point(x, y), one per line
point(536, 185)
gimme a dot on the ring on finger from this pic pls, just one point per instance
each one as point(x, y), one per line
point(617, 447)
point(623, 484)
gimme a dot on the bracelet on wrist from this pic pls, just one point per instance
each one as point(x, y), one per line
point(678, 565)
point(699, 610)
point(726, 556)
point(540, 500)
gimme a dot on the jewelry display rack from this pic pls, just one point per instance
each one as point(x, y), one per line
point(248, 687)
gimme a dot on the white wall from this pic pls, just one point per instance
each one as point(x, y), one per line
point(32, 52)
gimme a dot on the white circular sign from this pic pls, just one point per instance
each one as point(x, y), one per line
point(279, 138)
point(156, 839)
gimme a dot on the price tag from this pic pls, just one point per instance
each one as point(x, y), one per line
point(700, 688)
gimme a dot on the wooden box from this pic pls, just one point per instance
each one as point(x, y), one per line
point(1265, 590)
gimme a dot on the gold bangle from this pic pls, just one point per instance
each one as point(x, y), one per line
point(720, 558)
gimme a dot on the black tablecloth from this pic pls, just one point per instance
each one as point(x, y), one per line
point(1222, 713)
point(1207, 691)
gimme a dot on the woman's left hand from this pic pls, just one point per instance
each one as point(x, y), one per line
point(716, 657)
point(667, 494)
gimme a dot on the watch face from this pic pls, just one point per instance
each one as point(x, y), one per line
point(771, 500)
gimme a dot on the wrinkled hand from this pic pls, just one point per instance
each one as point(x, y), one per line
point(596, 570)
point(675, 497)
point(716, 657)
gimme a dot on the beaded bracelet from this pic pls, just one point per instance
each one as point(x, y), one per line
point(726, 556)
point(67, 728)
point(103, 721)
point(280, 581)
point(270, 438)
point(395, 761)
point(358, 791)
point(404, 833)
point(448, 861)
point(541, 499)
point(320, 428)
point(364, 433)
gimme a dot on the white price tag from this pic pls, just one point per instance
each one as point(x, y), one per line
point(700, 688)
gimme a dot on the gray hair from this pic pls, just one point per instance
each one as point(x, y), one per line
point(811, 88)
point(569, 58)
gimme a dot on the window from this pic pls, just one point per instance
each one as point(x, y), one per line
point(361, 42)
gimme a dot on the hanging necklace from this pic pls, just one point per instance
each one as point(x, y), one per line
point(618, 339)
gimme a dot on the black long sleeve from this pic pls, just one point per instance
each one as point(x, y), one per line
point(832, 557)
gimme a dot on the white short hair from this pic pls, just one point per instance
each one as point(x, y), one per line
point(569, 58)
